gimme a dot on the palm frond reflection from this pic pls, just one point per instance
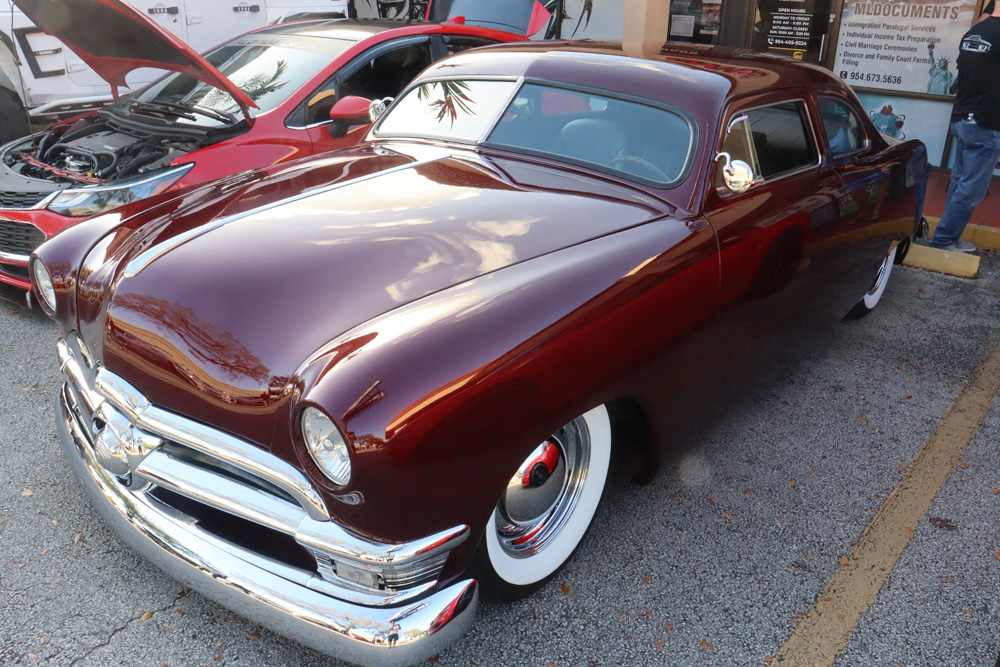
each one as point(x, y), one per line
point(454, 99)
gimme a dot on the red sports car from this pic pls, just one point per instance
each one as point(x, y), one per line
point(539, 467)
point(260, 99)
point(312, 391)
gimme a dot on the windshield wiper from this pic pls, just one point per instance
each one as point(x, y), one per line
point(161, 107)
point(187, 111)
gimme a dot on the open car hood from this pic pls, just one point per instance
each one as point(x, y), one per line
point(524, 17)
point(115, 39)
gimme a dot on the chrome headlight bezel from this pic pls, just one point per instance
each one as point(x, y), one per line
point(91, 200)
point(326, 445)
point(41, 280)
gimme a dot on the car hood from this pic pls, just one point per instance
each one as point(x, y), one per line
point(114, 39)
point(229, 310)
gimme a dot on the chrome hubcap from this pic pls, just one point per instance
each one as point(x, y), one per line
point(542, 494)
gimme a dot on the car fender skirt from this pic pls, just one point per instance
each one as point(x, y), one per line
point(175, 544)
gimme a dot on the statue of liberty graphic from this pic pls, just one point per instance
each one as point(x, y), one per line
point(941, 79)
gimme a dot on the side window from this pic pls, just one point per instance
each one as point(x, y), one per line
point(383, 76)
point(782, 139)
point(388, 74)
point(844, 132)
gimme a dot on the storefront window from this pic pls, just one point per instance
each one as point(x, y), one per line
point(695, 21)
point(794, 28)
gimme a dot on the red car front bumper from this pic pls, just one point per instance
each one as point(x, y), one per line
point(21, 232)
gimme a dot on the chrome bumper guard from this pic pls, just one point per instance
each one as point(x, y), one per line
point(124, 450)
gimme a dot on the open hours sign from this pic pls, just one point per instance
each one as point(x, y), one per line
point(905, 46)
point(793, 28)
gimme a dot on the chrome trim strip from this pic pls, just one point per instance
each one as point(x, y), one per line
point(11, 257)
point(127, 398)
point(358, 596)
point(78, 381)
point(219, 492)
point(140, 262)
point(518, 85)
point(214, 568)
point(235, 451)
point(324, 536)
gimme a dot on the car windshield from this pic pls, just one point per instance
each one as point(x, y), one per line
point(642, 141)
point(268, 68)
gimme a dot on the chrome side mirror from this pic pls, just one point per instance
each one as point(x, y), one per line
point(378, 107)
point(737, 174)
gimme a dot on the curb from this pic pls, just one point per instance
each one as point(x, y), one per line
point(964, 265)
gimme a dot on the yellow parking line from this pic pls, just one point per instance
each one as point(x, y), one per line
point(824, 632)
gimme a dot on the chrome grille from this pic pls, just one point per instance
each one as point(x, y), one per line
point(231, 489)
point(19, 238)
point(21, 199)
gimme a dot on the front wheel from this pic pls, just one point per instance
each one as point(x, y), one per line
point(534, 530)
point(874, 295)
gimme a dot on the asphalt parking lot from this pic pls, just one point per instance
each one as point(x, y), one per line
point(801, 526)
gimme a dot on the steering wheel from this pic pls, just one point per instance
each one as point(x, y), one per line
point(638, 167)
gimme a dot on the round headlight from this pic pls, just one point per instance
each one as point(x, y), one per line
point(326, 445)
point(43, 284)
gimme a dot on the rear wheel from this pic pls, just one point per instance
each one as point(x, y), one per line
point(874, 295)
point(534, 530)
point(13, 117)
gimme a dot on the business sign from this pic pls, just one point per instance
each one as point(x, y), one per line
point(906, 46)
point(790, 27)
point(793, 28)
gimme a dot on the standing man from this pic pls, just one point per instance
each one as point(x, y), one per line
point(975, 124)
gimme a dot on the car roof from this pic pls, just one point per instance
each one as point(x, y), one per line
point(681, 74)
point(353, 29)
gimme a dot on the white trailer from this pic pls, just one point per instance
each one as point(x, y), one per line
point(54, 81)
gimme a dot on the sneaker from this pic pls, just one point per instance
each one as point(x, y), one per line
point(961, 246)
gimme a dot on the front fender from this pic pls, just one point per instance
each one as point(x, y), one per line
point(443, 398)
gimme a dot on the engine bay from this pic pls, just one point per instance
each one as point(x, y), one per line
point(95, 150)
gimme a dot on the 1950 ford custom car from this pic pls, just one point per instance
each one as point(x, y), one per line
point(343, 395)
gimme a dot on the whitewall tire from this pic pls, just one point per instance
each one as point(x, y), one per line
point(534, 529)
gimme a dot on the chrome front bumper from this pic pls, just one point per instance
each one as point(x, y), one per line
point(393, 630)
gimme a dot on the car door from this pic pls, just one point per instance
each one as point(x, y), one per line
point(861, 169)
point(762, 230)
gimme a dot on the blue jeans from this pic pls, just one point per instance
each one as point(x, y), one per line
point(976, 153)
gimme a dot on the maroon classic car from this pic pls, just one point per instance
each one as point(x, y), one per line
point(311, 392)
